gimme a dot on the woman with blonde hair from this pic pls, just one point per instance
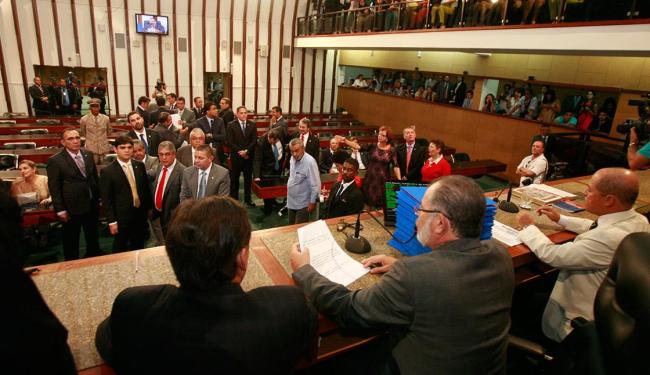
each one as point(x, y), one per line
point(31, 182)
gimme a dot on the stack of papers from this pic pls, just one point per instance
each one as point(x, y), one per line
point(505, 234)
point(542, 194)
point(326, 256)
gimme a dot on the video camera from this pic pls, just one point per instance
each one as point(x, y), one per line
point(640, 124)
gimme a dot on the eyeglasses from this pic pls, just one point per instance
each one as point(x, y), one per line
point(418, 211)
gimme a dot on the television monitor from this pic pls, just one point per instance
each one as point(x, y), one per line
point(151, 24)
point(390, 201)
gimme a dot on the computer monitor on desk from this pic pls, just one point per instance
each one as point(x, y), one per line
point(390, 201)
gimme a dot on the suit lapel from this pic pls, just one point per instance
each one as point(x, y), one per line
point(73, 164)
point(172, 175)
point(194, 182)
point(212, 179)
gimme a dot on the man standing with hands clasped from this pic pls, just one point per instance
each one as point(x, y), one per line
point(242, 138)
point(303, 186)
point(583, 263)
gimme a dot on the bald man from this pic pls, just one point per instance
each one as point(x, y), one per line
point(583, 263)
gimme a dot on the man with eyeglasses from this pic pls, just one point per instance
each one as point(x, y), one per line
point(73, 184)
point(447, 311)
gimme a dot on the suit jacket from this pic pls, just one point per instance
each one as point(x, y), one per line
point(153, 140)
point(227, 115)
point(583, 264)
point(418, 157)
point(349, 202)
point(283, 128)
point(264, 162)
point(198, 112)
point(188, 116)
point(165, 329)
point(218, 182)
point(70, 190)
point(184, 155)
point(238, 140)
point(325, 160)
point(146, 116)
point(171, 195)
point(215, 134)
point(117, 200)
point(473, 279)
point(167, 134)
point(155, 115)
point(37, 93)
point(151, 165)
point(59, 96)
point(313, 145)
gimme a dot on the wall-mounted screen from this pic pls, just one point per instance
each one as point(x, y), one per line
point(151, 24)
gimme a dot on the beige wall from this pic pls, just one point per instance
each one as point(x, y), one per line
point(632, 73)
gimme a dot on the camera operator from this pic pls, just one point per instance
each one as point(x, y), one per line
point(160, 90)
point(637, 158)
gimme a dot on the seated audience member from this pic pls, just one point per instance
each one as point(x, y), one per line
point(533, 167)
point(637, 159)
point(467, 101)
point(150, 162)
point(566, 119)
point(583, 263)
point(339, 159)
point(549, 107)
point(360, 82)
point(410, 157)
point(469, 335)
point(546, 137)
point(209, 324)
point(303, 186)
point(357, 154)
point(345, 197)
point(325, 161)
point(489, 104)
point(435, 166)
point(602, 123)
point(268, 162)
point(31, 182)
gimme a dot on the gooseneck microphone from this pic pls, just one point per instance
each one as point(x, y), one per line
point(508, 206)
point(357, 244)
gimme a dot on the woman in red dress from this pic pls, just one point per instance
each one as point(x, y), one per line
point(436, 165)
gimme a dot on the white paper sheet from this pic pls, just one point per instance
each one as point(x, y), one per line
point(175, 119)
point(326, 256)
point(505, 234)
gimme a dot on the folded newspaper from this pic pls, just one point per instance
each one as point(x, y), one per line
point(542, 194)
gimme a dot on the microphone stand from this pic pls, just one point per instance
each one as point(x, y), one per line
point(508, 206)
point(357, 244)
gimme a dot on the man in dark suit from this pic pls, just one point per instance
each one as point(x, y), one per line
point(154, 116)
point(279, 123)
point(225, 111)
point(269, 158)
point(410, 157)
point(73, 184)
point(165, 132)
point(345, 196)
point(209, 324)
point(472, 279)
point(309, 140)
point(166, 186)
point(325, 161)
point(442, 90)
point(143, 110)
point(460, 88)
point(126, 197)
point(41, 102)
point(242, 137)
point(171, 101)
point(148, 137)
point(214, 129)
point(198, 107)
point(66, 100)
point(204, 178)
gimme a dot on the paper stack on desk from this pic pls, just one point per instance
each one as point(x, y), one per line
point(410, 198)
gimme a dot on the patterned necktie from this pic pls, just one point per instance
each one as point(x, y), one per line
point(146, 145)
point(202, 184)
point(134, 188)
point(160, 189)
point(80, 164)
point(276, 155)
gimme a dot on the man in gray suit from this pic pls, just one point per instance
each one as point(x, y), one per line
point(279, 124)
point(166, 189)
point(187, 117)
point(150, 162)
point(204, 178)
point(449, 309)
point(185, 154)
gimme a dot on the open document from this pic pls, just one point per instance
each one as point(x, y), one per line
point(326, 256)
point(505, 234)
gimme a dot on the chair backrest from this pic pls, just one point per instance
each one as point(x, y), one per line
point(622, 308)
point(108, 158)
point(8, 122)
point(19, 145)
point(34, 131)
point(48, 121)
point(8, 161)
point(121, 120)
point(461, 156)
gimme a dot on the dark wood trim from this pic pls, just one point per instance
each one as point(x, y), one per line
point(37, 31)
point(5, 84)
point(314, 54)
point(281, 53)
point(257, 55)
point(175, 46)
point(189, 46)
point(75, 29)
point(269, 48)
point(128, 52)
point(322, 84)
point(57, 32)
point(230, 51)
point(112, 46)
point(218, 49)
point(334, 64)
point(160, 49)
point(144, 55)
point(94, 33)
point(203, 38)
point(293, 32)
point(243, 55)
point(21, 57)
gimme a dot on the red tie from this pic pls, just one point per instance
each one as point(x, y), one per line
point(408, 157)
point(159, 190)
point(302, 138)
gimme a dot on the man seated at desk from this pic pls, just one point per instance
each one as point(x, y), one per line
point(448, 310)
point(209, 324)
point(533, 168)
point(583, 263)
point(345, 197)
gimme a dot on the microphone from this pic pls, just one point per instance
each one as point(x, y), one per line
point(508, 206)
point(357, 244)
point(496, 199)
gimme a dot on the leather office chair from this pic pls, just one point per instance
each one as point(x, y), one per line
point(617, 341)
point(48, 121)
point(8, 162)
point(19, 145)
point(461, 156)
point(34, 131)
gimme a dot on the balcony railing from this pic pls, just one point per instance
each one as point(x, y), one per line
point(427, 14)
